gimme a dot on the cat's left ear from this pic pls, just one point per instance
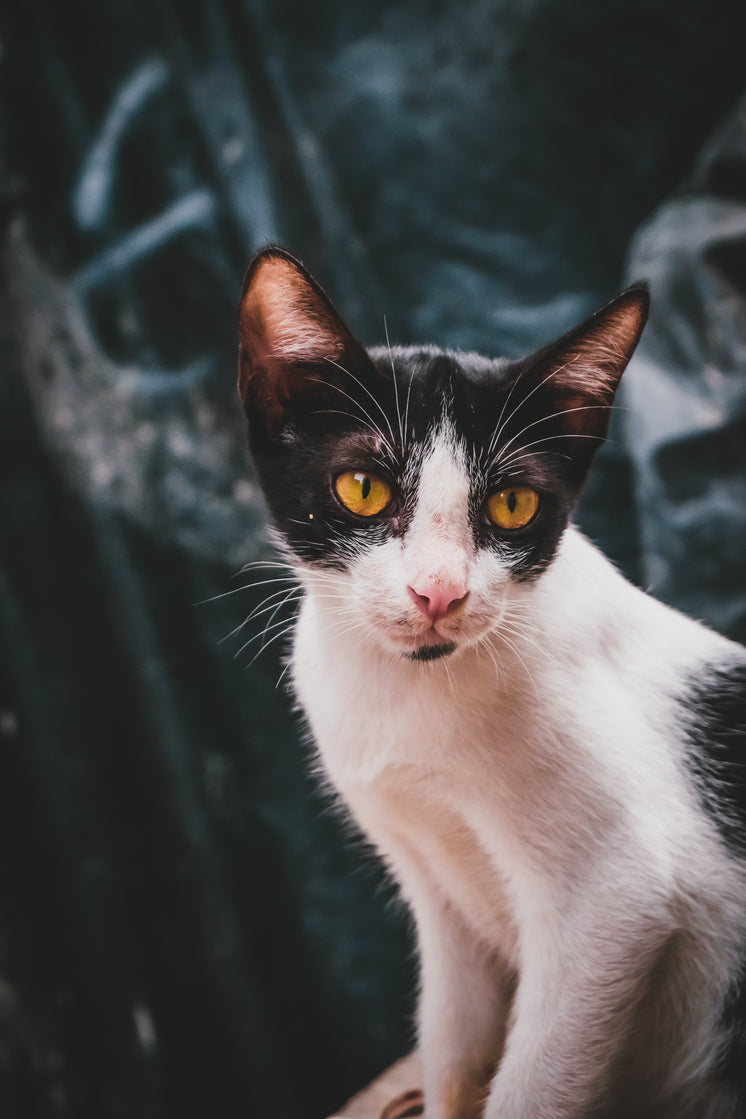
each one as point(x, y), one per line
point(579, 374)
point(295, 350)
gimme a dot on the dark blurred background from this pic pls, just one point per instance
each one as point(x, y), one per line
point(186, 926)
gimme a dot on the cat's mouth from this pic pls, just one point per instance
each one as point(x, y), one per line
point(432, 652)
point(430, 644)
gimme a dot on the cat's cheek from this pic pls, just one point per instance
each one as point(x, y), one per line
point(377, 587)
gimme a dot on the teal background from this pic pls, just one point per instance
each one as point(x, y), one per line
point(187, 927)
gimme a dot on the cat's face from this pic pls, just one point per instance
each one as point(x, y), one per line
point(422, 492)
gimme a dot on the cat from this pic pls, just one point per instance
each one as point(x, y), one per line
point(549, 761)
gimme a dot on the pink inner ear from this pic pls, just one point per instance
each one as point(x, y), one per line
point(283, 319)
point(593, 363)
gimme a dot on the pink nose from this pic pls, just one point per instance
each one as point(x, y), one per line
point(437, 601)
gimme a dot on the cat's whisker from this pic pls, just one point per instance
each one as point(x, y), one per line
point(498, 633)
point(346, 610)
point(295, 594)
point(543, 420)
point(514, 631)
point(273, 569)
point(511, 618)
point(365, 388)
point(501, 426)
point(406, 407)
point(359, 405)
point(283, 633)
point(547, 439)
point(506, 640)
point(264, 607)
point(349, 631)
point(484, 643)
point(339, 613)
point(369, 421)
point(264, 563)
point(396, 385)
point(246, 587)
point(370, 426)
point(344, 595)
point(447, 668)
point(341, 607)
point(282, 674)
point(260, 636)
point(278, 607)
point(344, 625)
point(346, 631)
point(520, 458)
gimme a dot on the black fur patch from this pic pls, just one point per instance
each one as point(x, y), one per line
point(432, 652)
point(733, 1058)
point(713, 705)
point(405, 396)
point(715, 719)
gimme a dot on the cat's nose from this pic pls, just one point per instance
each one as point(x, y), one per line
point(437, 600)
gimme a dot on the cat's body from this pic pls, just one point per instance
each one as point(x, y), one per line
point(504, 806)
point(539, 750)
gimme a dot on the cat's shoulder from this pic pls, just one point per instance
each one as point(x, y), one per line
point(581, 573)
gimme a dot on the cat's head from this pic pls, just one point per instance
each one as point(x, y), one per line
point(427, 488)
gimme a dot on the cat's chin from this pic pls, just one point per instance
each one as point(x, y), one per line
point(432, 652)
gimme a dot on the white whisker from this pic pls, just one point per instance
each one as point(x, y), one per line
point(546, 439)
point(357, 403)
point(263, 634)
point(544, 419)
point(245, 587)
point(517, 655)
point(501, 426)
point(282, 674)
point(513, 629)
point(266, 605)
point(277, 636)
point(484, 642)
point(396, 385)
point(447, 668)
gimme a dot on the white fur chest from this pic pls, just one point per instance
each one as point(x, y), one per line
point(405, 750)
point(504, 790)
point(368, 713)
point(471, 777)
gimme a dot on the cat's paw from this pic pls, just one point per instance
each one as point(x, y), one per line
point(405, 1106)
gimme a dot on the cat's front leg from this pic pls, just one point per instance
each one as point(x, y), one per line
point(464, 1004)
point(573, 1012)
point(466, 986)
point(465, 993)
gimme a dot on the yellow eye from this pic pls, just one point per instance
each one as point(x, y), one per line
point(363, 493)
point(512, 508)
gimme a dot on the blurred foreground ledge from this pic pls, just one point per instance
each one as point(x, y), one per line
point(395, 1094)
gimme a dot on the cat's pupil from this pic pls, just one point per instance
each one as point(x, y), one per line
point(512, 501)
point(366, 487)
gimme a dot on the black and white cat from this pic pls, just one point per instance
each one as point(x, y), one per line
point(550, 761)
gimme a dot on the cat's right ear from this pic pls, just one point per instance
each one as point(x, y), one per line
point(294, 348)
